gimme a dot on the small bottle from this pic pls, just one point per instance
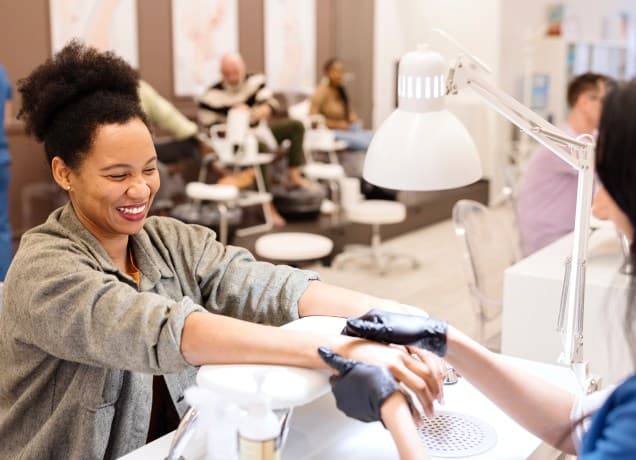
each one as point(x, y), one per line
point(258, 432)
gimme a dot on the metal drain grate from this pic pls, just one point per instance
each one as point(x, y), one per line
point(451, 434)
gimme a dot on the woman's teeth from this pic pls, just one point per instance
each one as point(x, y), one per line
point(137, 210)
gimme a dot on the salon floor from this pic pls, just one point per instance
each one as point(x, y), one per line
point(439, 284)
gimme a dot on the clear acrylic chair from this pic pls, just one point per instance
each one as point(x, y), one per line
point(489, 247)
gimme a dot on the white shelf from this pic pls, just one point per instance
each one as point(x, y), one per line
point(622, 44)
point(561, 59)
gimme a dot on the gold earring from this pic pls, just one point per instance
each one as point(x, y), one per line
point(68, 188)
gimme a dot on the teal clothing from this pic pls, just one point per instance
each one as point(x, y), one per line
point(612, 435)
point(5, 95)
point(6, 238)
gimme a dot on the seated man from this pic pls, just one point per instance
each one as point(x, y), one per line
point(240, 90)
point(546, 205)
point(164, 115)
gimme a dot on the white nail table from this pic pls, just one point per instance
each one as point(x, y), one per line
point(319, 431)
point(532, 294)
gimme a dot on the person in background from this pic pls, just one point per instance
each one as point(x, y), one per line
point(238, 89)
point(107, 313)
point(331, 101)
point(241, 90)
point(163, 114)
point(546, 204)
point(6, 250)
point(600, 426)
point(185, 143)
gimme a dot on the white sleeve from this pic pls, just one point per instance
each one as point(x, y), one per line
point(584, 407)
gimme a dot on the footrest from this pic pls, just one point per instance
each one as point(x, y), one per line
point(211, 192)
point(250, 198)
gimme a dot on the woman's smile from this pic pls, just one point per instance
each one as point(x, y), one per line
point(133, 212)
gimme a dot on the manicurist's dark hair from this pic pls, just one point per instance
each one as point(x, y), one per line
point(616, 168)
point(66, 99)
point(616, 147)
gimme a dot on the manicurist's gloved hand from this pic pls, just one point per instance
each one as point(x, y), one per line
point(360, 389)
point(383, 326)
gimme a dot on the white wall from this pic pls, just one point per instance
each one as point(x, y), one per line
point(525, 49)
point(401, 25)
point(588, 18)
point(497, 31)
point(525, 21)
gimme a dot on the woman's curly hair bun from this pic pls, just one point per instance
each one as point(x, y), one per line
point(75, 91)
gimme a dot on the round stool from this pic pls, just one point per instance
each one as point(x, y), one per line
point(293, 246)
point(375, 213)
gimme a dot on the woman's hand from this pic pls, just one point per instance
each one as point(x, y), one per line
point(423, 375)
point(387, 327)
point(260, 112)
point(360, 389)
point(370, 393)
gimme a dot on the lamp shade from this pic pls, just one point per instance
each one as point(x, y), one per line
point(421, 145)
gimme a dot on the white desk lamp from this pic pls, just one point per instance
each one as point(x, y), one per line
point(422, 146)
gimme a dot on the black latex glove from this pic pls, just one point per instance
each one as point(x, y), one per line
point(387, 327)
point(360, 389)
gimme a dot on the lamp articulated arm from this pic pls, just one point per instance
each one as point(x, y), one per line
point(578, 153)
point(569, 149)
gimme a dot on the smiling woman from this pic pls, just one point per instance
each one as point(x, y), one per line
point(106, 311)
point(112, 189)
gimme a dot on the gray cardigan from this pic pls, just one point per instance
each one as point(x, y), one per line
point(79, 341)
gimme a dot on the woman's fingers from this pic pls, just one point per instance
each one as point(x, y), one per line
point(415, 373)
point(417, 377)
point(436, 365)
point(428, 374)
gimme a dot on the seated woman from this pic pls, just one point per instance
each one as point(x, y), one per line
point(557, 417)
point(106, 312)
point(331, 101)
